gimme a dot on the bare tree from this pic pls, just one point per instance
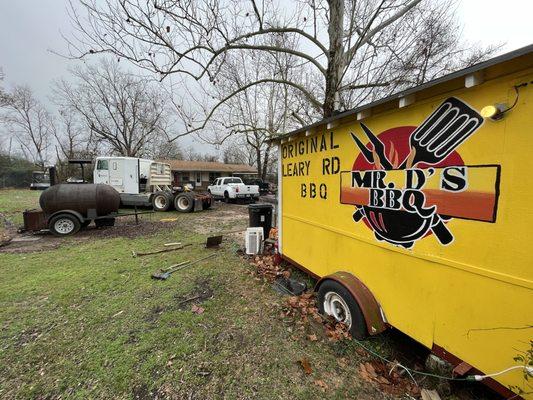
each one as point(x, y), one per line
point(4, 97)
point(29, 123)
point(191, 154)
point(73, 139)
point(345, 47)
point(259, 113)
point(122, 111)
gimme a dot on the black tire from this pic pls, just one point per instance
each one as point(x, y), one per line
point(64, 225)
point(103, 222)
point(206, 204)
point(330, 289)
point(184, 202)
point(161, 201)
point(226, 197)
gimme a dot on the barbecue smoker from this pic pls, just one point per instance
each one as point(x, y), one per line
point(66, 208)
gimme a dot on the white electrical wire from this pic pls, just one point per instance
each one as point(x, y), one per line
point(478, 378)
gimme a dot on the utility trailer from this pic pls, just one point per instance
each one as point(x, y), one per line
point(414, 212)
point(144, 182)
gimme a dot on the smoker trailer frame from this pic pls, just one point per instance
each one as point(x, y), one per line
point(414, 212)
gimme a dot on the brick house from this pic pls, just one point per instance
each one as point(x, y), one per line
point(202, 173)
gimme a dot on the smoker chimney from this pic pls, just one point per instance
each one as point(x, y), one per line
point(53, 176)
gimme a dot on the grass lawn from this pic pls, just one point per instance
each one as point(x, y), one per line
point(84, 320)
point(13, 202)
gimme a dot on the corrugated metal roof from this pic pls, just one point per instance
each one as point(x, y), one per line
point(182, 165)
point(396, 96)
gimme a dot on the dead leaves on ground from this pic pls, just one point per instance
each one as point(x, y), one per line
point(304, 309)
point(267, 268)
point(197, 309)
point(389, 377)
point(321, 384)
point(306, 365)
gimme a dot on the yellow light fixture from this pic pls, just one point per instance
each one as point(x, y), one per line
point(493, 112)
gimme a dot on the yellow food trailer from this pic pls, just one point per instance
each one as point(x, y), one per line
point(414, 212)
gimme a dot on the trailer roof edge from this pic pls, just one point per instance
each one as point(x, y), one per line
point(411, 91)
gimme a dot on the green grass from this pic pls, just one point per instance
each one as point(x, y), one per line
point(85, 320)
point(14, 201)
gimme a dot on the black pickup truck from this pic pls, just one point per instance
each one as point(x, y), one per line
point(264, 187)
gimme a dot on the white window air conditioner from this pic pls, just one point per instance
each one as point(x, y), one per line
point(253, 240)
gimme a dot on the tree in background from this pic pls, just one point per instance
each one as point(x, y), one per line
point(348, 51)
point(73, 139)
point(256, 115)
point(29, 124)
point(122, 111)
point(4, 97)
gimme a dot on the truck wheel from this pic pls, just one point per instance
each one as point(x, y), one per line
point(226, 197)
point(206, 204)
point(64, 225)
point(104, 222)
point(335, 300)
point(161, 201)
point(184, 202)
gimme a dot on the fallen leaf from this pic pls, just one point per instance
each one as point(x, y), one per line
point(197, 309)
point(343, 362)
point(306, 365)
point(312, 337)
point(320, 383)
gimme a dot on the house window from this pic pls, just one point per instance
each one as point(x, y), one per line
point(199, 178)
point(114, 165)
point(213, 176)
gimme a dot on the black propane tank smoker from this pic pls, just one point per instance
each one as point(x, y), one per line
point(68, 207)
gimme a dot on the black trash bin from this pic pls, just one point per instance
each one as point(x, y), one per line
point(261, 216)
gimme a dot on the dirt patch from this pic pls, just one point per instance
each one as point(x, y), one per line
point(224, 217)
point(201, 292)
point(122, 228)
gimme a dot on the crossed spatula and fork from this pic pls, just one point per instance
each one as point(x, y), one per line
point(435, 139)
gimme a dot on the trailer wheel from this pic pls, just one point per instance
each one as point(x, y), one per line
point(64, 225)
point(161, 201)
point(184, 202)
point(335, 300)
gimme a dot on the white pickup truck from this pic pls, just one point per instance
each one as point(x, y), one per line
point(231, 188)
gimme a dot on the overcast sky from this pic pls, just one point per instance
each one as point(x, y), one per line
point(30, 28)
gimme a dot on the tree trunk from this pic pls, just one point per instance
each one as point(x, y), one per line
point(335, 62)
point(266, 161)
point(258, 161)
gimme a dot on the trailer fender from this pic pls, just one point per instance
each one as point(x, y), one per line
point(75, 213)
point(363, 296)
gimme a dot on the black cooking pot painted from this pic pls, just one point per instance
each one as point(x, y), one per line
point(397, 226)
